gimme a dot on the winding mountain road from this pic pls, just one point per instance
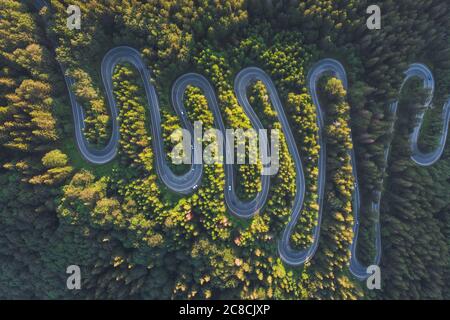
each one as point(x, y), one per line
point(336, 69)
point(189, 181)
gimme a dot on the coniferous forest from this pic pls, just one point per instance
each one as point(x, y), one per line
point(133, 237)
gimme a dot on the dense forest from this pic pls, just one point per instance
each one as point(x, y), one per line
point(133, 237)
